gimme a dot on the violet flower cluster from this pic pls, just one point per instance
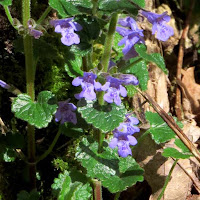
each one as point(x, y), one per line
point(131, 36)
point(113, 87)
point(67, 27)
point(123, 136)
point(160, 27)
point(88, 85)
point(65, 112)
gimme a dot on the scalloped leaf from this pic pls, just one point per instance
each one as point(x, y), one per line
point(65, 188)
point(159, 129)
point(182, 146)
point(38, 113)
point(139, 68)
point(24, 195)
point(155, 58)
point(73, 67)
point(171, 152)
point(115, 173)
point(70, 8)
point(113, 6)
point(183, 153)
point(106, 117)
point(131, 91)
point(6, 2)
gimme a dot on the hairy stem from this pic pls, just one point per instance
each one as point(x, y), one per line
point(100, 140)
point(167, 179)
point(97, 190)
point(49, 150)
point(109, 42)
point(30, 78)
point(44, 15)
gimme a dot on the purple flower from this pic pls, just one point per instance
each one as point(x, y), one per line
point(122, 140)
point(66, 27)
point(128, 79)
point(123, 136)
point(111, 64)
point(65, 112)
point(131, 122)
point(32, 31)
point(4, 85)
point(131, 36)
point(162, 30)
point(88, 85)
point(114, 89)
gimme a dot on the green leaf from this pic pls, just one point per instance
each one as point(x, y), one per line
point(106, 117)
point(81, 49)
point(182, 146)
point(8, 144)
point(171, 152)
point(68, 188)
point(159, 129)
point(115, 173)
point(24, 195)
point(140, 70)
point(73, 67)
point(38, 113)
point(75, 131)
point(184, 152)
point(131, 91)
point(122, 5)
point(6, 2)
point(91, 27)
point(70, 8)
point(155, 58)
point(116, 47)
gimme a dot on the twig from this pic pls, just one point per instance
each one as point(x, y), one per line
point(4, 129)
point(180, 61)
point(172, 124)
point(195, 181)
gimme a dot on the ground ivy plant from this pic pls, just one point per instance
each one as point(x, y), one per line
point(107, 60)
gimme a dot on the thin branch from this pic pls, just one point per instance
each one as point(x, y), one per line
point(172, 124)
point(180, 61)
point(195, 180)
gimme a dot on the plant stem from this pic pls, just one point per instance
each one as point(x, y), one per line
point(30, 78)
point(97, 190)
point(44, 15)
point(108, 42)
point(94, 8)
point(8, 14)
point(107, 50)
point(101, 138)
point(167, 179)
point(117, 195)
point(49, 150)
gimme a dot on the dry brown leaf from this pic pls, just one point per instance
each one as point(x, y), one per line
point(191, 93)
